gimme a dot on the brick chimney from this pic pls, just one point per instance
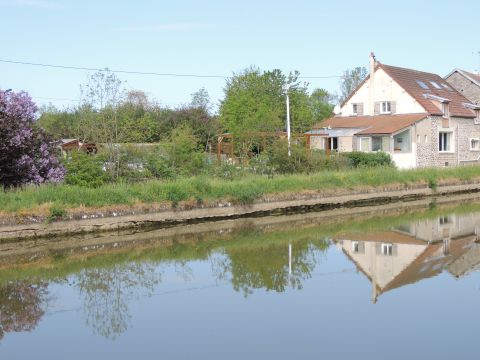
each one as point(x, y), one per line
point(371, 86)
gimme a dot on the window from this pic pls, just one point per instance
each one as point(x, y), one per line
point(385, 107)
point(425, 139)
point(443, 220)
point(355, 247)
point(477, 117)
point(445, 109)
point(364, 144)
point(401, 142)
point(475, 144)
point(444, 142)
point(387, 249)
point(381, 143)
point(333, 143)
point(435, 85)
point(422, 85)
point(354, 109)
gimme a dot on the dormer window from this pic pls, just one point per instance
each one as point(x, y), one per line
point(355, 109)
point(385, 107)
point(445, 109)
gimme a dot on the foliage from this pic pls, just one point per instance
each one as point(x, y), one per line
point(182, 153)
point(372, 159)
point(22, 305)
point(27, 154)
point(280, 162)
point(56, 213)
point(350, 80)
point(85, 170)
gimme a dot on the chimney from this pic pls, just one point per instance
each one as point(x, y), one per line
point(371, 90)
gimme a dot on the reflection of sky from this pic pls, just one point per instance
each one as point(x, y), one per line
point(331, 317)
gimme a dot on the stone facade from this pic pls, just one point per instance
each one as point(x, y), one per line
point(464, 86)
point(427, 139)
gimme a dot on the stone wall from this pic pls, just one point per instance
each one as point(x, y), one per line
point(465, 86)
point(462, 129)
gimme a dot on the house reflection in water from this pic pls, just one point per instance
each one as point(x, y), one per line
point(415, 251)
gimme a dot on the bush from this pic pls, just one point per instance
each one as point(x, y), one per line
point(279, 161)
point(85, 170)
point(372, 159)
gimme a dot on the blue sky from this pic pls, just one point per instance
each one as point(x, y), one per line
point(213, 37)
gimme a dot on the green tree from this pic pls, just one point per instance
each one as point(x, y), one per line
point(255, 102)
point(320, 103)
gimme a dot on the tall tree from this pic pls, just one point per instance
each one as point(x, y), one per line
point(350, 80)
point(101, 97)
point(321, 104)
point(254, 103)
point(27, 154)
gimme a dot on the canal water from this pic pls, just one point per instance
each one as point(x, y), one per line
point(389, 286)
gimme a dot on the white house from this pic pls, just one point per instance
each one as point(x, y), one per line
point(416, 117)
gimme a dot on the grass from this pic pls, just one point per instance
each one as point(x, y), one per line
point(202, 188)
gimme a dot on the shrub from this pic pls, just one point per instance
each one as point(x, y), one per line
point(364, 159)
point(56, 213)
point(85, 170)
point(280, 162)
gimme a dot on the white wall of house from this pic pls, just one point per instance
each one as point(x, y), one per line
point(385, 89)
point(405, 160)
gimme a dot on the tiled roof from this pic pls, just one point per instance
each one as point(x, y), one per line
point(380, 124)
point(408, 80)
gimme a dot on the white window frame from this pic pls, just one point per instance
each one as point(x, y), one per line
point(476, 121)
point(450, 141)
point(388, 107)
point(355, 247)
point(387, 249)
point(477, 148)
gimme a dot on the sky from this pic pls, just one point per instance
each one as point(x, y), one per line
point(214, 37)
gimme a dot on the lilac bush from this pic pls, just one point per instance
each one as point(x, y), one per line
point(27, 154)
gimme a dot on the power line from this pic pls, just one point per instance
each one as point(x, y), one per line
point(132, 72)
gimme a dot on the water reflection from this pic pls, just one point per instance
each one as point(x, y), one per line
point(272, 267)
point(22, 305)
point(414, 251)
point(391, 254)
point(107, 292)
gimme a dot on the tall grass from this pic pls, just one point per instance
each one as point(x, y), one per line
point(202, 188)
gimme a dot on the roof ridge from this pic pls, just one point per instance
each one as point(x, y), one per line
point(413, 70)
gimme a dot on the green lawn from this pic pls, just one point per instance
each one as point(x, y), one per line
point(243, 190)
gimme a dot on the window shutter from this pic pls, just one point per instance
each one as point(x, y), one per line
point(361, 247)
point(378, 248)
point(377, 108)
point(393, 107)
point(395, 250)
point(360, 109)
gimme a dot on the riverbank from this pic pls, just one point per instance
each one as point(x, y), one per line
point(157, 215)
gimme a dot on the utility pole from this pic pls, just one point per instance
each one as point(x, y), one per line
point(287, 88)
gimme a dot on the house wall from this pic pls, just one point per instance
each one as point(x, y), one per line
point(465, 86)
point(317, 142)
point(385, 89)
point(383, 269)
point(345, 144)
point(463, 130)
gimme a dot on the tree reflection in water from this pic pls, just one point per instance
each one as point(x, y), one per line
point(106, 293)
point(267, 266)
point(22, 305)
